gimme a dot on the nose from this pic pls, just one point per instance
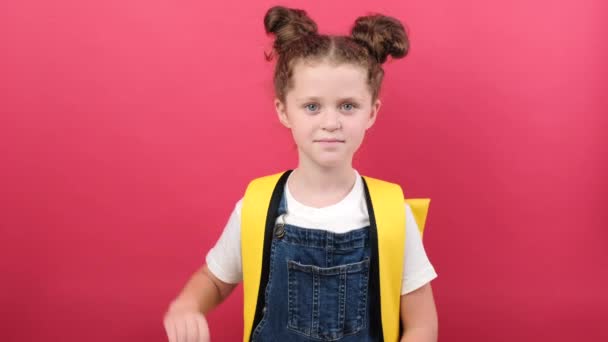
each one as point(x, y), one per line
point(331, 121)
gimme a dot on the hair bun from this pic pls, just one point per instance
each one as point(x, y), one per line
point(288, 25)
point(382, 36)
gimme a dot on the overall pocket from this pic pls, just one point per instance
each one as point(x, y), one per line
point(327, 303)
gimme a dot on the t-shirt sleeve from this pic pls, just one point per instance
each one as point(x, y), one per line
point(224, 259)
point(417, 269)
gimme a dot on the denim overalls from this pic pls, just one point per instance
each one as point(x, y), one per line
point(318, 286)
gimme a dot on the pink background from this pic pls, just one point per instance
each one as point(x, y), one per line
point(129, 129)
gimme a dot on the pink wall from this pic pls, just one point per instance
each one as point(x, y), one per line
point(129, 129)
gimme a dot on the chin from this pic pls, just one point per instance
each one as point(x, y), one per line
point(327, 160)
point(331, 163)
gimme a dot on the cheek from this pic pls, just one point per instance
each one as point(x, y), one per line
point(300, 133)
point(357, 133)
point(357, 128)
point(304, 127)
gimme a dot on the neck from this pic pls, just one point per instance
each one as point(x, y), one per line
point(318, 187)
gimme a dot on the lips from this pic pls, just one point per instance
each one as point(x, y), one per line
point(330, 140)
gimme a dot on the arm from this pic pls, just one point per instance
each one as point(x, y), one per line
point(419, 315)
point(202, 292)
point(185, 318)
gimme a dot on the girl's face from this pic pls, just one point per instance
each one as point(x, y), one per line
point(328, 110)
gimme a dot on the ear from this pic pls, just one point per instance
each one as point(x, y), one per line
point(374, 113)
point(281, 112)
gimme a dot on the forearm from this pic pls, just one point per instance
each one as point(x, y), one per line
point(200, 292)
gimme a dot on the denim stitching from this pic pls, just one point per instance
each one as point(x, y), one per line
point(262, 323)
point(315, 272)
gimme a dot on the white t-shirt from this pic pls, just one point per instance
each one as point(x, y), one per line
point(224, 259)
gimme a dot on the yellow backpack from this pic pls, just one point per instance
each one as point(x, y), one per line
point(387, 235)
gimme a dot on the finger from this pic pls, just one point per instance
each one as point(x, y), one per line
point(191, 328)
point(203, 329)
point(180, 327)
point(170, 329)
point(197, 328)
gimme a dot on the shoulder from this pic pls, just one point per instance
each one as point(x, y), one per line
point(260, 189)
point(382, 186)
point(267, 178)
point(384, 192)
point(238, 207)
point(369, 179)
point(410, 219)
point(409, 213)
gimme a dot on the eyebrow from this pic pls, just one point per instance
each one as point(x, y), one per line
point(318, 99)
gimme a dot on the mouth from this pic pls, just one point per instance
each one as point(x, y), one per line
point(329, 141)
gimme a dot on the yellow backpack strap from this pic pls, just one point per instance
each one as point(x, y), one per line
point(420, 208)
point(387, 214)
point(258, 212)
point(387, 217)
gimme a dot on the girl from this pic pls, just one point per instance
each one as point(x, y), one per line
point(312, 273)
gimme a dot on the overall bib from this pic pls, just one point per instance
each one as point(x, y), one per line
point(317, 286)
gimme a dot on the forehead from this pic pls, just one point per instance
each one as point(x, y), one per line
point(325, 78)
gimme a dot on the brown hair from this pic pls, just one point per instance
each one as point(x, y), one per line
point(373, 38)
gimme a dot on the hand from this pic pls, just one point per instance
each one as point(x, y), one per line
point(184, 323)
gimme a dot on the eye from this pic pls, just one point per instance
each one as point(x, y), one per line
point(349, 107)
point(311, 107)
